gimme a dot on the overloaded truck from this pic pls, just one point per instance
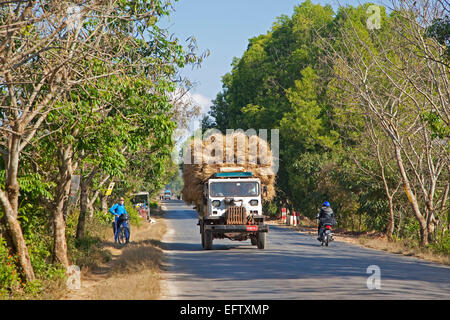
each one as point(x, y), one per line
point(232, 205)
point(229, 198)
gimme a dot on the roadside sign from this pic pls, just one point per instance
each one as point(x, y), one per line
point(110, 189)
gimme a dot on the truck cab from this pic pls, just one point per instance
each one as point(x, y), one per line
point(141, 201)
point(232, 208)
point(167, 195)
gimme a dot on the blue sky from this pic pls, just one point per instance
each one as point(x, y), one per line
point(223, 27)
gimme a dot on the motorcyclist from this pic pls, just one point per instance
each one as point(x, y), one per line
point(325, 216)
point(118, 210)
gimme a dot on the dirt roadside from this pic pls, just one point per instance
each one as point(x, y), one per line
point(133, 273)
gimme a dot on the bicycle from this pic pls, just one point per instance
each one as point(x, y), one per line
point(124, 230)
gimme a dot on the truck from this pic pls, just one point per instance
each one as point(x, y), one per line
point(167, 195)
point(232, 208)
point(141, 201)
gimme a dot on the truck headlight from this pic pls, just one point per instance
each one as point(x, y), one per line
point(216, 203)
point(253, 202)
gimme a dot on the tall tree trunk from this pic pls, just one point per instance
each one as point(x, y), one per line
point(65, 174)
point(412, 198)
point(443, 209)
point(391, 222)
point(390, 227)
point(103, 202)
point(96, 194)
point(20, 245)
point(84, 192)
point(10, 205)
point(400, 215)
point(85, 185)
point(66, 209)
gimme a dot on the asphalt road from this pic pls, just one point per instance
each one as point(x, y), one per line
point(293, 266)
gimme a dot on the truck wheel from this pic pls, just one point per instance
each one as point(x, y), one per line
point(203, 239)
point(208, 239)
point(261, 240)
point(202, 235)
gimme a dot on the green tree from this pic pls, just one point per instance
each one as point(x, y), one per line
point(82, 84)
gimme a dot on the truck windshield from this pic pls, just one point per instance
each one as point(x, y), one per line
point(139, 199)
point(230, 189)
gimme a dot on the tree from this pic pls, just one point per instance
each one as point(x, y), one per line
point(387, 75)
point(362, 112)
point(50, 52)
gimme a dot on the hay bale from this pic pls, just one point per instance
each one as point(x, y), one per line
point(219, 151)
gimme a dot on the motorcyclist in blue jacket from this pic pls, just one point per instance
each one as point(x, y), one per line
point(117, 210)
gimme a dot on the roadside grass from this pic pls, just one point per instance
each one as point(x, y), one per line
point(49, 288)
point(89, 252)
point(404, 248)
point(125, 272)
point(135, 274)
point(50, 283)
point(375, 240)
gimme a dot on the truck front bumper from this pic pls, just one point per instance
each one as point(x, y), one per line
point(237, 228)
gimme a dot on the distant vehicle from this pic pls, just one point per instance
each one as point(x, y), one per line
point(140, 197)
point(141, 202)
point(167, 195)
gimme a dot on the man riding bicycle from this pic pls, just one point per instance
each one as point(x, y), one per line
point(118, 210)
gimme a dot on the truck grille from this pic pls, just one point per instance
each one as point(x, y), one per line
point(236, 215)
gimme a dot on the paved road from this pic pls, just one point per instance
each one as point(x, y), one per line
point(293, 266)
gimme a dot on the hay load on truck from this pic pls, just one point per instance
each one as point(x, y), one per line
point(227, 180)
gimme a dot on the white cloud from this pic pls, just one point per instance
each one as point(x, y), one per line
point(202, 101)
point(192, 99)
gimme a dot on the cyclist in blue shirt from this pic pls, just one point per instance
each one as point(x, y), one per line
point(117, 210)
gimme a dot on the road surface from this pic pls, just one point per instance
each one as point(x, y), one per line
point(293, 266)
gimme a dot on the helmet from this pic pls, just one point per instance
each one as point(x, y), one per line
point(326, 204)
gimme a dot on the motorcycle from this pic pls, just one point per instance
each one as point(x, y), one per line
point(325, 235)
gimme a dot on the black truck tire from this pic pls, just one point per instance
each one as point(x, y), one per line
point(261, 240)
point(208, 239)
point(203, 239)
point(202, 235)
